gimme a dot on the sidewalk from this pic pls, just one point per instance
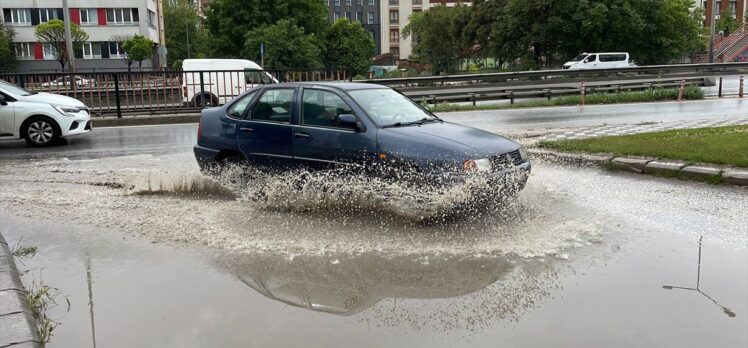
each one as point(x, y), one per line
point(17, 325)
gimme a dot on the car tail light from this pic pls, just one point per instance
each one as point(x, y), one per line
point(470, 166)
point(184, 91)
point(199, 130)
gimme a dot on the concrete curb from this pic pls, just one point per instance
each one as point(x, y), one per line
point(144, 120)
point(653, 166)
point(17, 324)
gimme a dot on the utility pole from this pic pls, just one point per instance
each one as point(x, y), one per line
point(711, 30)
point(162, 51)
point(68, 41)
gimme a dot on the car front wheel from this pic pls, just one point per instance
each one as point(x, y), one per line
point(40, 131)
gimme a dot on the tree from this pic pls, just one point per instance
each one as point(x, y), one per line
point(186, 36)
point(726, 23)
point(229, 20)
point(348, 45)
point(7, 51)
point(287, 46)
point(440, 36)
point(53, 34)
point(137, 48)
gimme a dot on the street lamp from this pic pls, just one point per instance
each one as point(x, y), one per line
point(726, 310)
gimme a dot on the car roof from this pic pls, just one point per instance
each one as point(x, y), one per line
point(343, 86)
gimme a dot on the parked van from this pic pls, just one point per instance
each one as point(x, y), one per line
point(222, 80)
point(599, 61)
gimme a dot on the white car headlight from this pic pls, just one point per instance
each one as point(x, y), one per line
point(483, 165)
point(67, 110)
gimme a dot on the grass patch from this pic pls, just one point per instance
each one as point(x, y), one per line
point(721, 145)
point(648, 95)
point(41, 299)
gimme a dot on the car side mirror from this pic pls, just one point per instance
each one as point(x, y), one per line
point(350, 121)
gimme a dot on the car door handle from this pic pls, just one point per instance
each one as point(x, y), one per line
point(246, 130)
point(301, 135)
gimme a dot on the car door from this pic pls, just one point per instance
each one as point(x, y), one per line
point(318, 138)
point(591, 62)
point(7, 116)
point(265, 136)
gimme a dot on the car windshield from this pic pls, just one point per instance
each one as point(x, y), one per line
point(389, 108)
point(579, 57)
point(13, 89)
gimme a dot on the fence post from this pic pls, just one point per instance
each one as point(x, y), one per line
point(681, 90)
point(202, 91)
point(511, 97)
point(22, 81)
point(582, 94)
point(472, 98)
point(719, 93)
point(548, 94)
point(116, 95)
point(740, 90)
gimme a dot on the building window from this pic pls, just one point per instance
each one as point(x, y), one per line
point(360, 2)
point(371, 18)
point(89, 16)
point(50, 53)
point(17, 16)
point(336, 3)
point(394, 36)
point(371, 2)
point(122, 16)
point(394, 17)
point(395, 51)
point(360, 17)
point(733, 8)
point(337, 16)
point(24, 50)
point(348, 2)
point(152, 19)
point(394, 2)
point(115, 50)
point(47, 14)
point(348, 15)
point(417, 2)
point(91, 50)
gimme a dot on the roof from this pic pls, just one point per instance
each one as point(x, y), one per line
point(344, 86)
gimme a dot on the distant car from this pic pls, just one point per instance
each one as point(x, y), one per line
point(67, 81)
point(40, 118)
point(222, 80)
point(358, 125)
point(608, 60)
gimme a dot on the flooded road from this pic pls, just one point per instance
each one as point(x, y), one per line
point(151, 253)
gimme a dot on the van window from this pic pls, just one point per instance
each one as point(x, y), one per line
point(612, 57)
point(591, 58)
point(274, 105)
point(255, 77)
point(579, 57)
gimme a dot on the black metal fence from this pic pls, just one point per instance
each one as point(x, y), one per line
point(159, 92)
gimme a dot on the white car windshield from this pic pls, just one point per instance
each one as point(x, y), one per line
point(13, 89)
point(389, 108)
point(579, 57)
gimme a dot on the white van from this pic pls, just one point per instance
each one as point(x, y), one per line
point(223, 79)
point(604, 60)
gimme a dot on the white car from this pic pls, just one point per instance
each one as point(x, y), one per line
point(65, 81)
point(40, 118)
point(606, 60)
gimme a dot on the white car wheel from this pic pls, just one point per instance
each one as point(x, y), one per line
point(40, 132)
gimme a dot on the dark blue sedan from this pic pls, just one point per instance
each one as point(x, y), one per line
point(354, 125)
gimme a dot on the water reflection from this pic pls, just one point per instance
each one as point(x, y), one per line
point(346, 285)
point(726, 310)
point(89, 282)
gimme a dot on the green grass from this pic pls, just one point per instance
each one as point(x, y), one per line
point(721, 145)
point(649, 95)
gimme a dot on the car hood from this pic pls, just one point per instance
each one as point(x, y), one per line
point(442, 144)
point(54, 99)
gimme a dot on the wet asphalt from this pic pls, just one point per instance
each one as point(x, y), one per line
point(150, 253)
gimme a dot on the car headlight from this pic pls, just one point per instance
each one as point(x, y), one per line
point(478, 165)
point(67, 110)
point(523, 153)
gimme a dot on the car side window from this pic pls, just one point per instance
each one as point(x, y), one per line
point(274, 105)
point(591, 59)
point(237, 109)
point(322, 108)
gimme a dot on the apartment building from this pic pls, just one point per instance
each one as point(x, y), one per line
point(105, 21)
point(365, 12)
point(737, 9)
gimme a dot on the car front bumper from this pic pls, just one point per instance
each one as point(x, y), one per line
point(78, 124)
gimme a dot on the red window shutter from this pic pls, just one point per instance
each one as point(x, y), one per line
point(102, 16)
point(38, 51)
point(75, 15)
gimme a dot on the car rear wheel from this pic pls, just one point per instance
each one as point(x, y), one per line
point(40, 131)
